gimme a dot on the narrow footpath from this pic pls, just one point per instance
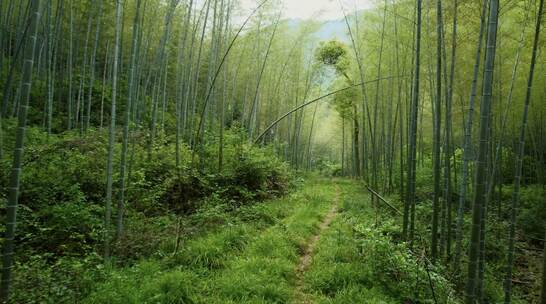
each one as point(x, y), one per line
point(300, 297)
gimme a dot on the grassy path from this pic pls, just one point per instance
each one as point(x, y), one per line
point(316, 245)
point(267, 270)
point(252, 258)
point(319, 244)
point(340, 271)
point(305, 260)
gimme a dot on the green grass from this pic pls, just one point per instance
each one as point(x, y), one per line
point(358, 262)
point(266, 271)
point(251, 258)
point(337, 274)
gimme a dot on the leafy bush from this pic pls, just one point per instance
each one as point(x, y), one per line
point(61, 210)
point(398, 270)
point(533, 211)
point(65, 171)
point(256, 175)
point(60, 188)
point(63, 229)
point(64, 281)
point(144, 236)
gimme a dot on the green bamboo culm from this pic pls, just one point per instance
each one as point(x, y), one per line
point(112, 134)
point(519, 164)
point(409, 204)
point(131, 91)
point(11, 207)
point(543, 301)
point(467, 145)
point(448, 134)
point(480, 192)
point(1, 140)
point(437, 116)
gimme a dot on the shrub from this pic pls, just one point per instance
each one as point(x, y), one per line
point(63, 229)
point(533, 211)
point(64, 281)
point(256, 175)
point(398, 270)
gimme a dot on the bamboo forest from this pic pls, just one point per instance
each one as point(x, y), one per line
point(273, 151)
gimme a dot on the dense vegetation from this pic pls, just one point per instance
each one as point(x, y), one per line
point(169, 151)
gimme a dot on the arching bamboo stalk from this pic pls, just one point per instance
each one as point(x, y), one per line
point(315, 100)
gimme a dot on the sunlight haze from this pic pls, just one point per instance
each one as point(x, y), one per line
point(315, 9)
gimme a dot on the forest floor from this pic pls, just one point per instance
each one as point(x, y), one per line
point(297, 249)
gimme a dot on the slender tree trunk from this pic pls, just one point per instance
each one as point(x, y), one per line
point(356, 129)
point(481, 162)
point(311, 137)
point(343, 145)
point(13, 198)
point(399, 104)
point(519, 163)
point(182, 82)
point(196, 76)
point(104, 74)
point(112, 131)
point(436, 135)
point(495, 159)
point(132, 86)
point(378, 88)
point(92, 67)
point(80, 103)
point(70, 67)
point(51, 62)
point(409, 203)
point(543, 297)
point(158, 66)
point(253, 111)
point(467, 145)
point(365, 107)
point(448, 124)
point(224, 93)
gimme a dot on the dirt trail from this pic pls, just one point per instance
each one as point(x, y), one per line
point(305, 260)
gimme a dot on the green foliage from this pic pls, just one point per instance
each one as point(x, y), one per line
point(61, 209)
point(144, 237)
point(344, 103)
point(62, 184)
point(146, 283)
point(254, 174)
point(327, 168)
point(65, 229)
point(532, 211)
point(248, 258)
point(359, 262)
point(333, 53)
point(397, 270)
point(37, 280)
